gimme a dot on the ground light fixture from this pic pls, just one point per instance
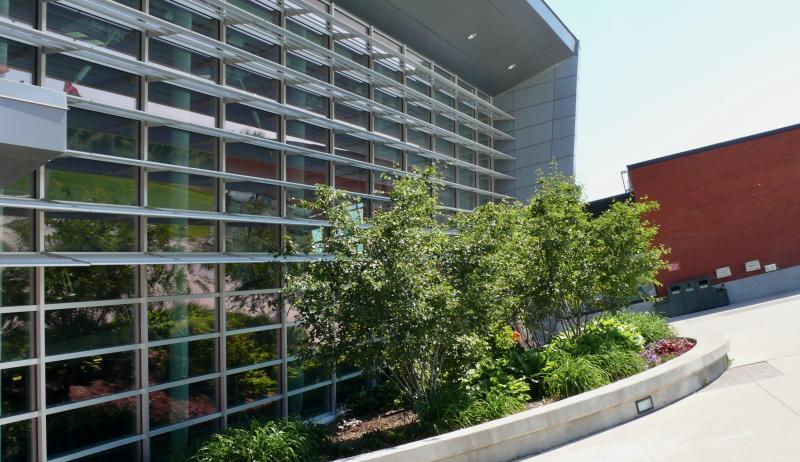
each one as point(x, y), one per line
point(644, 405)
point(512, 66)
point(472, 36)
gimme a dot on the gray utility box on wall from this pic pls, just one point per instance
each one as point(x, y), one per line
point(33, 128)
point(690, 296)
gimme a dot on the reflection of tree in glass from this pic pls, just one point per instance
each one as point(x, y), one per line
point(252, 238)
point(70, 430)
point(73, 232)
point(15, 336)
point(201, 360)
point(81, 137)
point(252, 385)
point(251, 276)
point(180, 279)
point(15, 286)
point(88, 328)
point(179, 319)
point(252, 310)
point(89, 284)
point(246, 349)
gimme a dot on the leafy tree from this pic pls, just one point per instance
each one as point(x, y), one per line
point(385, 300)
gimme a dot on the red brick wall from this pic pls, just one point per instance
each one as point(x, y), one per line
point(727, 205)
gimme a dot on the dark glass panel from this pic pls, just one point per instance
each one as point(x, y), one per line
point(135, 4)
point(16, 230)
point(447, 197)
point(84, 180)
point(16, 286)
point(306, 135)
point(18, 386)
point(448, 171)
point(251, 160)
point(306, 100)
point(90, 377)
point(352, 85)
point(466, 200)
point(353, 52)
point(419, 85)
point(484, 199)
point(445, 122)
point(311, 31)
point(182, 104)
point(251, 44)
point(352, 147)
point(305, 374)
point(179, 361)
point(445, 147)
point(246, 387)
point(127, 453)
point(419, 112)
point(389, 71)
point(247, 120)
point(352, 178)
point(252, 348)
point(185, 18)
point(445, 98)
point(251, 276)
point(181, 318)
point(165, 280)
point(19, 10)
point(269, 411)
point(307, 67)
point(382, 184)
point(17, 336)
point(310, 403)
point(179, 147)
point(89, 232)
point(466, 154)
point(92, 283)
point(466, 109)
point(421, 139)
point(485, 182)
point(260, 8)
point(350, 115)
point(388, 127)
point(306, 170)
point(347, 389)
point(183, 59)
point(389, 100)
point(251, 82)
point(251, 237)
point(177, 190)
point(485, 140)
point(180, 445)
point(387, 156)
point(78, 329)
point(18, 441)
point(91, 29)
point(252, 310)
point(418, 161)
point(102, 133)
point(252, 198)
point(18, 62)
point(466, 177)
point(295, 336)
point(93, 425)
point(82, 78)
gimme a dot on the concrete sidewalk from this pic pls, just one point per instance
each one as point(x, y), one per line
point(751, 413)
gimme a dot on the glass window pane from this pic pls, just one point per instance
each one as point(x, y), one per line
point(310, 68)
point(252, 198)
point(185, 18)
point(304, 239)
point(165, 280)
point(102, 133)
point(445, 98)
point(181, 318)
point(179, 147)
point(180, 361)
point(351, 115)
point(485, 182)
point(260, 8)
point(262, 413)
point(90, 377)
point(251, 82)
point(466, 177)
point(311, 27)
point(252, 348)
point(466, 200)
point(89, 80)
point(19, 10)
point(182, 403)
point(382, 184)
point(18, 386)
point(249, 43)
point(420, 138)
point(181, 235)
point(351, 84)
point(22, 187)
point(182, 104)
point(69, 431)
point(177, 190)
point(16, 286)
point(387, 99)
point(18, 441)
point(445, 122)
point(388, 127)
point(307, 100)
point(89, 232)
point(389, 71)
point(250, 121)
point(418, 161)
point(91, 29)
point(304, 374)
point(83, 180)
point(352, 178)
point(16, 230)
point(251, 160)
point(183, 59)
point(306, 135)
point(388, 157)
point(419, 85)
point(251, 276)
point(447, 197)
point(294, 200)
point(127, 453)
point(352, 147)
point(445, 147)
point(180, 445)
point(249, 386)
point(252, 310)
point(17, 336)
point(310, 403)
point(78, 329)
point(78, 284)
point(251, 237)
point(306, 170)
point(419, 112)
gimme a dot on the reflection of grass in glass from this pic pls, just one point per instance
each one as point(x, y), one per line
point(252, 385)
point(252, 348)
point(180, 237)
point(168, 320)
point(88, 187)
point(163, 195)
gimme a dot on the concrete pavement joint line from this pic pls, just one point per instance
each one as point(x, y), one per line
point(541, 429)
point(777, 399)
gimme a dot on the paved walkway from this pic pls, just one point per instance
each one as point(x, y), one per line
point(751, 413)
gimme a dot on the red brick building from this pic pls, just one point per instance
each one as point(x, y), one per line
point(733, 205)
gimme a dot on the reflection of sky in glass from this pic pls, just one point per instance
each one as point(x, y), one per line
point(18, 75)
point(94, 94)
point(180, 114)
point(250, 130)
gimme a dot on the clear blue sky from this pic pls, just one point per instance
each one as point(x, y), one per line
point(660, 77)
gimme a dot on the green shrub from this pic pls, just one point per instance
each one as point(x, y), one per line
point(652, 326)
point(381, 398)
point(618, 364)
point(599, 335)
point(464, 409)
point(272, 441)
point(566, 375)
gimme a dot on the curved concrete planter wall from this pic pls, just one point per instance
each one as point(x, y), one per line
point(548, 426)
